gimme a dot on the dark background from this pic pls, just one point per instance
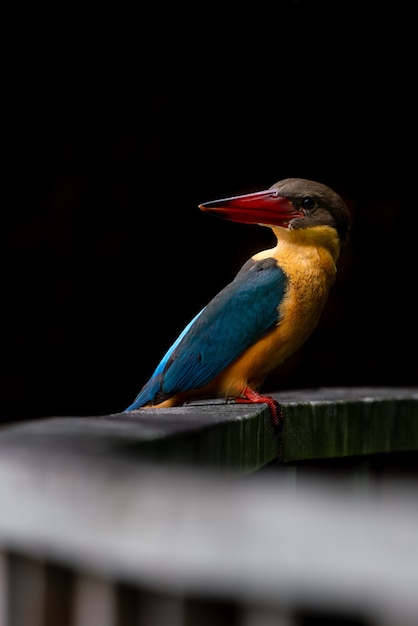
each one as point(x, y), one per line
point(120, 121)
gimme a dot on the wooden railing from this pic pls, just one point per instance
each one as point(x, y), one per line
point(200, 515)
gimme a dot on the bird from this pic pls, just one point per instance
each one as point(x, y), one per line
point(268, 310)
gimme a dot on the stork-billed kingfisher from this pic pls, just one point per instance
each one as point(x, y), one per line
point(268, 310)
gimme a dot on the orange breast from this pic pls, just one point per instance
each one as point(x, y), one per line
point(311, 272)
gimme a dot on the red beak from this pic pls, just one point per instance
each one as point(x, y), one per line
point(262, 207)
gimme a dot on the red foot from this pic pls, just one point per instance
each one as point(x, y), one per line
point(252, 397)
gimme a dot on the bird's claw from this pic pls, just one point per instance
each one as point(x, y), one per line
point(252, 397)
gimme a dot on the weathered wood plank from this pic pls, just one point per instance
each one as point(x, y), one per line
point(336, 423)
point(209, 434)
point(318, 424)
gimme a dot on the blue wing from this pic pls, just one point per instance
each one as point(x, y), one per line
point(236, 317)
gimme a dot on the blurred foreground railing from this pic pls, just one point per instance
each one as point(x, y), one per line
point(198, 515)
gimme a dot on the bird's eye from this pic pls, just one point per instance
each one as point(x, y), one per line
point(308, 203)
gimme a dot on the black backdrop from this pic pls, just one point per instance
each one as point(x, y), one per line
point(121, 121)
